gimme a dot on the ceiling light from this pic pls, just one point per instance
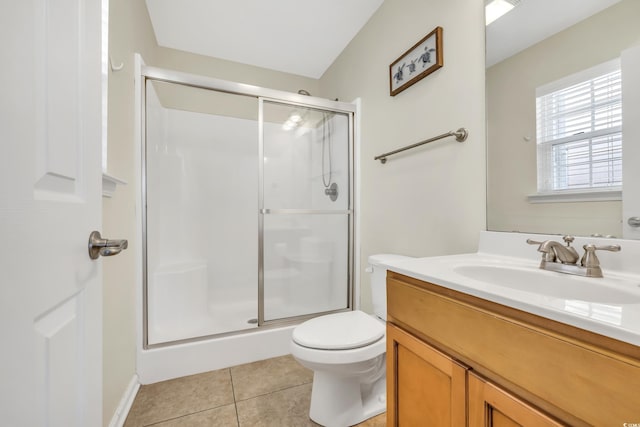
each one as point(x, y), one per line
point(496, 8)
point(295, 117)
point(288, 125)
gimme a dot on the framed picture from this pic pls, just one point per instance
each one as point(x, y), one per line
point(418, 62)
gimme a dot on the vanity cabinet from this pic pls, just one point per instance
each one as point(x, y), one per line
point(464, 360)
point(491, 406)
point(429, 388)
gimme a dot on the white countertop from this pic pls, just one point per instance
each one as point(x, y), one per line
point(609, 306)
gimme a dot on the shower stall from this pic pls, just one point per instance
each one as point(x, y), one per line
point(247, 208)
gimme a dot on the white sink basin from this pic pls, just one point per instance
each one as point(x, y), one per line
point(557, 285)
point(505, 271)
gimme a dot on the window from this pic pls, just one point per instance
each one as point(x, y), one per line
point(579, 131)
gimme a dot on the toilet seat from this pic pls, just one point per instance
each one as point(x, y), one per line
point(340, 331)
point(347, 354)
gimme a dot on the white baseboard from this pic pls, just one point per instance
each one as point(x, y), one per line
point(120, 416)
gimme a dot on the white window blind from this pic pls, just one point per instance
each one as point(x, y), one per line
point(579, 131)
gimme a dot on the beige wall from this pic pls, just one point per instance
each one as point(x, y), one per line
point(431, 200)
point(212, 67)
point(511, 113)
point(130, 31)
point(428, 202)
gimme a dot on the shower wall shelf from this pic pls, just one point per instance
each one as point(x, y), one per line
point(109, 183)
point(461, 135)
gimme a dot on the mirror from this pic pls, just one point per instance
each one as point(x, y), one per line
point(534, 44)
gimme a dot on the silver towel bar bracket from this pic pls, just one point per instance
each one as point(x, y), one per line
point(461, 135)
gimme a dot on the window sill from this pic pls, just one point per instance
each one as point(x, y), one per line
point(576, 196)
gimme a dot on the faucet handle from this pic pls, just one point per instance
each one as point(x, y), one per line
point(610, 248)
point(546, 256)
point(589, 259)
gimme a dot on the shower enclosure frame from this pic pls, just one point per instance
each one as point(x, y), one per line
point(262, 95)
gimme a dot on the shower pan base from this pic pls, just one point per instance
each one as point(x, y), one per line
point(179, 360)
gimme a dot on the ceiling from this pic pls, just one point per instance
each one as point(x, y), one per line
point(304, 37)
point(533, 21)
point(295, 36)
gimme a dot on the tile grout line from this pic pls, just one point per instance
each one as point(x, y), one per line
point(203, 410)
point(155, 423)
point(175, 417)
point(235, 403)
point(271, 392)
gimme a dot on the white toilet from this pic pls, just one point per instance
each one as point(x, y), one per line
point(346, 352)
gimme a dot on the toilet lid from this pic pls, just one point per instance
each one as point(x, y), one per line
point(340, 331)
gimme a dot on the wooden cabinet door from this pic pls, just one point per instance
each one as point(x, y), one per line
point(490, 406)
point(424, 386)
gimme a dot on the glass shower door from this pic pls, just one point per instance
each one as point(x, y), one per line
point(201, 222)
point(306, 215)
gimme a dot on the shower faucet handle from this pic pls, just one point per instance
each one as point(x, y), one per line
point(332, 192)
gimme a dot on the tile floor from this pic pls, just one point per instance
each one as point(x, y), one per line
point(270, 393)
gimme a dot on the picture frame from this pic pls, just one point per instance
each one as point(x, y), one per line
point(418, 62)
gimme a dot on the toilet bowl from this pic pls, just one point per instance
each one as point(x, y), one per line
point(346, 352)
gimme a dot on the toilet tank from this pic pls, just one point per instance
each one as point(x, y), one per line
point(378, 272)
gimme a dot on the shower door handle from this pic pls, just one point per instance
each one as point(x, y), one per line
point(105, 247)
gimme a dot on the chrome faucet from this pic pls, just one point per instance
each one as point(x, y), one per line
point(556, 251)
point(564, 259)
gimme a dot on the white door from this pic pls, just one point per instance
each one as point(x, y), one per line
point(630, 60)
point(50, 178)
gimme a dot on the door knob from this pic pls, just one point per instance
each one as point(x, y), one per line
point(634, 221)
point(105, 247)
